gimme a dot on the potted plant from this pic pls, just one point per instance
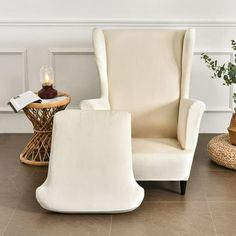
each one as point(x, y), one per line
point(226, 72)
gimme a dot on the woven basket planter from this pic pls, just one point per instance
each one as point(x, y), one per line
point(232, 129)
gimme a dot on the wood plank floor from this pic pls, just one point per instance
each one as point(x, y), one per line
point(208, 208)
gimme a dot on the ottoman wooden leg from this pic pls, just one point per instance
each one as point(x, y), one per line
point(183, 185)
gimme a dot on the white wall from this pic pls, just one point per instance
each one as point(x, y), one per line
point(34, 33)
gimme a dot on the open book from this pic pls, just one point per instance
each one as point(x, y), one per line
point(20, 101)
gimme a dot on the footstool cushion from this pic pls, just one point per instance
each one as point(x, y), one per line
point(90, 168)
point(222, 152)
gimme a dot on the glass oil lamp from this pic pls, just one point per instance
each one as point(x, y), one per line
point(47, 80)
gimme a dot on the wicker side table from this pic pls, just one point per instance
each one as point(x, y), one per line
point(37, 151)
point(222, 152)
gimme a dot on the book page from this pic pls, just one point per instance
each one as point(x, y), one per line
point(20, 101)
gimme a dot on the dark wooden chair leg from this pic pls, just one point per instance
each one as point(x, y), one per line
point(183, 185)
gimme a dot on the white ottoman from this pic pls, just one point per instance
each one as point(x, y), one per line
point(90, 168)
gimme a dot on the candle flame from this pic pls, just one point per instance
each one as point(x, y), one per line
point(46, 78)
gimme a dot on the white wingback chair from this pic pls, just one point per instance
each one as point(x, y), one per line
point(147, 73)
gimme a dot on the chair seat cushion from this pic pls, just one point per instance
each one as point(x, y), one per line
point(160, 159)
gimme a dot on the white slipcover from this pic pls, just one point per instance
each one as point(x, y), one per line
point(90, 167)
point(147, 73)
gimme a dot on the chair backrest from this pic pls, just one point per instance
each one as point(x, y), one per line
point(146, 72)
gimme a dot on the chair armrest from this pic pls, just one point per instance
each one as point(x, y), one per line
point(95, 104)
point(190, 114)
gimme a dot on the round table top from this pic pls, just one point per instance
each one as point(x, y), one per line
point(222, 151)
point(62, 99)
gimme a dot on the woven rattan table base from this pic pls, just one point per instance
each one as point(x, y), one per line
point(37, 151)
point(222, 152)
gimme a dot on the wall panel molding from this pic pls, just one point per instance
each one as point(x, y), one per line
point(25, 82)
point(62, 22)
point(67, 51)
